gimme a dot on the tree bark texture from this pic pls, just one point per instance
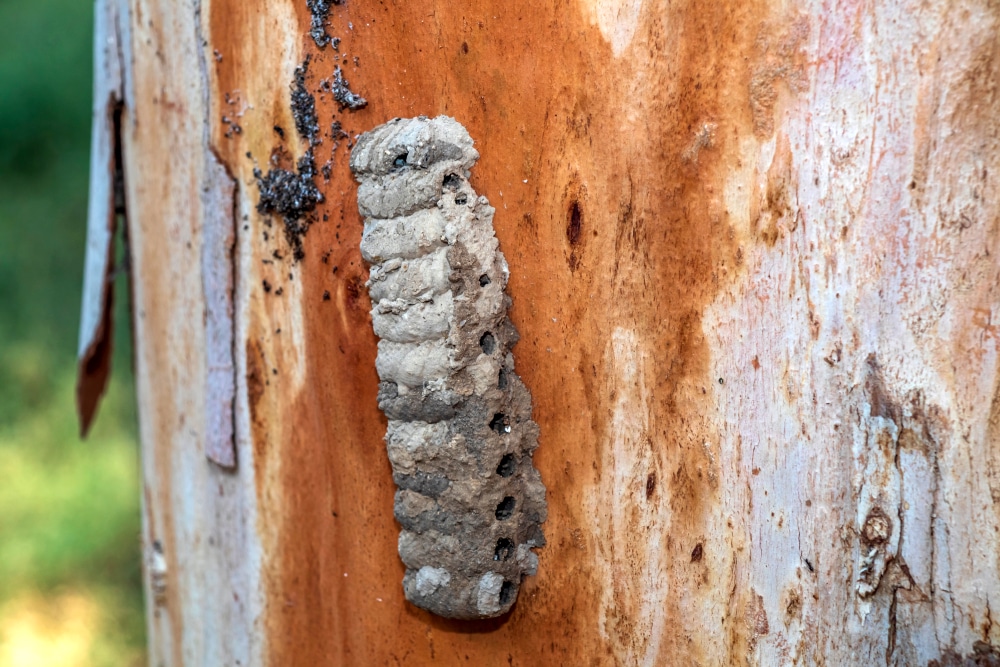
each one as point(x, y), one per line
point(753, 254)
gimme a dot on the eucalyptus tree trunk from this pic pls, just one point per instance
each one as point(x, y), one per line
point(753, 263)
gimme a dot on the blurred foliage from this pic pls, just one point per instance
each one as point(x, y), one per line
point(70, 591)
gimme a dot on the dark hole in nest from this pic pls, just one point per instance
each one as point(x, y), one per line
point(488, 343)
point(451, 182)
point(502, 379)
point(499, 424)
point(400, 160)
point(484, 280)
point(507, 593)
point(504, 550)
point(505, 508)
point(506, 466)
point(461, 200)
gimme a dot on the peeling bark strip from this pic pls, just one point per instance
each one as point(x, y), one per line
point(460, 433)
point(218, 202)
point(94, 349)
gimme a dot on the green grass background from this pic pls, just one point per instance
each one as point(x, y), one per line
point(69, 509)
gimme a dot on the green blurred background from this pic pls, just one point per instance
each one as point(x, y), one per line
point(70, 589)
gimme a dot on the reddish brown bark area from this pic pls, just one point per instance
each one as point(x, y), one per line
point(607, 175)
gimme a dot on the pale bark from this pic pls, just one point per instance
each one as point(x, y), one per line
point(753, 266)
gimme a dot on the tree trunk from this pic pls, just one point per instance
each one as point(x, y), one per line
point(752, 253)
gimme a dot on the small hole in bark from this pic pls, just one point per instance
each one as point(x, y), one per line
point(400, 160)
point(506, 593)
point(505, 509)
point(697, 553)
point(451, 182)
point(575, 223)
point(651, 484)
point(488, 343)
point(484, 280)
point(465, 47)
point(504, 550)
point(507, 466)
point(499, 423)
point(502, 379)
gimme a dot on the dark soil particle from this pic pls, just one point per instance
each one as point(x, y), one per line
point(304, 105)
point(343, 95)
point(320, 10)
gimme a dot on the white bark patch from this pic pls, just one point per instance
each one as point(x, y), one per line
point(618, 21)
point(877, 482)
point(630, 526)
point(867, 223)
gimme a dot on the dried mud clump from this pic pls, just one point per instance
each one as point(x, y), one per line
point(460, 436)
point(293, 194)
point(319, 10)
point(304, 105)
point(343, 95)
point(290, 194)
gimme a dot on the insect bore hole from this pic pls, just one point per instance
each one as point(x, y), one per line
point(507, 466)
point(488, 343)
point(505, 508)
point(484, 280)
point(504, 550)
point(507, 591)
point(499, 424)
point(574, 223)
point(400, 160)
